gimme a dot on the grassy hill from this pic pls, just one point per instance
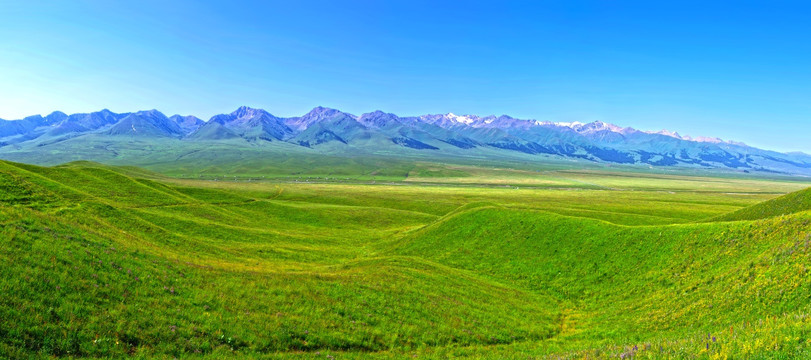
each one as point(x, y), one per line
point(788, 204)
point(107, 261)
point(633, 284)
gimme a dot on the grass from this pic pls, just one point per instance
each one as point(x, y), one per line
point(445, 261)
point(792, 203)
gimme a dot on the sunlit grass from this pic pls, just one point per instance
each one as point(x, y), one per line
point(102, 261)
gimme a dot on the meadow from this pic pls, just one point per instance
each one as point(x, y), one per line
point(415, 259)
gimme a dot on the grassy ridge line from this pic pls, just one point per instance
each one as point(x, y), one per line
point(105, 176)
point(787, 204)
point(46, 189)
point(608, 216)
point(299, 236)
point(131, 171)
point(77, 184)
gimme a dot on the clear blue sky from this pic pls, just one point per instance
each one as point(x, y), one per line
point(737, 70)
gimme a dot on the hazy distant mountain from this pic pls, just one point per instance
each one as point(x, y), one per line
point(151, 123)
point(437, 135)
point(187, 123)
point(316, 115)
point(245, 122)
point(79, 123)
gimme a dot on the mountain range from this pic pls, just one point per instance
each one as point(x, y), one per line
point(336, 132)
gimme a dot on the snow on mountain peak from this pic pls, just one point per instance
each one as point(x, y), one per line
point(665, 132)
point(463, 119)
point(572, 125)
point(587, 128)
point(601, 126)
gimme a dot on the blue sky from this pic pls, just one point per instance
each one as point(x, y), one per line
point(737, 70)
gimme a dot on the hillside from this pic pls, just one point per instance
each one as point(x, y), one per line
point(107, 261)
point(634, 284)
point(788, 204)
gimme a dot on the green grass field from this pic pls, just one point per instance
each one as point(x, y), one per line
point(417, 259)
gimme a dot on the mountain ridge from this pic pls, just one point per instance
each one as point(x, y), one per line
point(378, 131)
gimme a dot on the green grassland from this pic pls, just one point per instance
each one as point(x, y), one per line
point(359, 259)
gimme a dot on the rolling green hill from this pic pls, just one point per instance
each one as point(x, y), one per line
point(788, 204)
point(632, 284)
point(103, 261)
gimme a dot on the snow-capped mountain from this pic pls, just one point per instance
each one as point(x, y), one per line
point(378, 132)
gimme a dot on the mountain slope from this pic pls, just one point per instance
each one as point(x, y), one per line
point(212, 131)
point(316, 115)
point(323, 125)
point(248, 123)
point(187, 123)
point(146, 124)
